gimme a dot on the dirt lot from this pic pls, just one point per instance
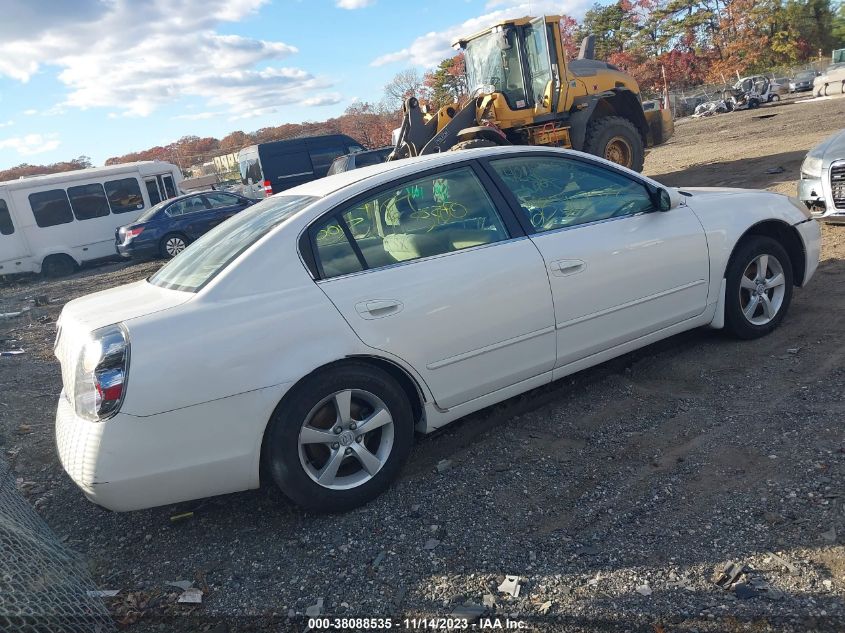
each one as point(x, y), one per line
point(614, 494)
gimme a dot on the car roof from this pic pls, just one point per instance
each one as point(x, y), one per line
point(374, 175)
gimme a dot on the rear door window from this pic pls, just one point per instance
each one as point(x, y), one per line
point(88, 201)
point(187, 206)
point(220, 200)
point(434, 215)
point(50, 208)
point(6, 226)
point(124, 195)
point(370, 158)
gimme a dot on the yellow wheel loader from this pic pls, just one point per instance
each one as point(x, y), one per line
point(523, 92)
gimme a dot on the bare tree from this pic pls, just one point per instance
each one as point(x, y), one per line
point(408, 83)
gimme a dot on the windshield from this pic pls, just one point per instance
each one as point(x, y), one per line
point(805, 76)
point(487, 64)
point(215, 250)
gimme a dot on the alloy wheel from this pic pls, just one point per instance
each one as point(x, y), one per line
point(346, 439)
point(761, 289)
point(174, 245)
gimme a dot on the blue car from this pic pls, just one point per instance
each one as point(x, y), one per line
point(166, 229)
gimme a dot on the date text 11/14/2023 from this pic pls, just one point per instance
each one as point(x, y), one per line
point(431, 624)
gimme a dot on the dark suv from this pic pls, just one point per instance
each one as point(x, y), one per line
point(166, 229)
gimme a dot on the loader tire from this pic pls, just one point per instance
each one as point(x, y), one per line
point(616, 139)
point(472, 144)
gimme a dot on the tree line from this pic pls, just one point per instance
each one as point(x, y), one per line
point(692, 41)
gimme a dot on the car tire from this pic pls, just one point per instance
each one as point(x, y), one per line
point(616, 139)
point(472, 144)
point(55, 266)
point(172, 244)
point(297, 456)
point(747, 315)
point(774, 98)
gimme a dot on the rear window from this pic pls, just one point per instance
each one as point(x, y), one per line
point(215, 250)
point(370, 158)
point(50, 208)
point(6, 227)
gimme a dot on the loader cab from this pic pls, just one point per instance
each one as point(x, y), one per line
point(515, 59)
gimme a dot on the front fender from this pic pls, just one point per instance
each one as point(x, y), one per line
point(728, 214)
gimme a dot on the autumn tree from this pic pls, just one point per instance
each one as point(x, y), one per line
point(447, 83)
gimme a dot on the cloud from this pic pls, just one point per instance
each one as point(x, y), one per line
point(323, 100)
point(31, 143)
point(108, 57)
point(353, 4)
point(6, 123)
point(197, 116)
point(429, 49)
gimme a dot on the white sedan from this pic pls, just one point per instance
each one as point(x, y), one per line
point(309, 336)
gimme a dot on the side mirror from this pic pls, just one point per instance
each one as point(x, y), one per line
point(665, 199)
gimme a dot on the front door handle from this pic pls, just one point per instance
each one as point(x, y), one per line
point(564, 267)
point(378, 308)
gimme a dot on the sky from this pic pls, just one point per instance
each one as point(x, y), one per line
point(103, 78)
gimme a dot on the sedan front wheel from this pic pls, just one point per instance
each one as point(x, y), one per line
point(759, 287)
point(340, 437)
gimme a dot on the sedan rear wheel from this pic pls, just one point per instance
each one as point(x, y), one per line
point(339, 437)
point(172, 245)
point(759, 287)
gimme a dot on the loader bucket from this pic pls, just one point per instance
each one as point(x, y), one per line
point(661, 126)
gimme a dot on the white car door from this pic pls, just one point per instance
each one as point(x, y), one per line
point(429, 270)
point(618, 268)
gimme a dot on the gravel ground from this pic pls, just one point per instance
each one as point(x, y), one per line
point(617, 496)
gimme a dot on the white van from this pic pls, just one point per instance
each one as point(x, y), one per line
point(53, 223)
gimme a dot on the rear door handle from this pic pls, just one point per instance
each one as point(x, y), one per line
point(564, 267)
point(378, 308)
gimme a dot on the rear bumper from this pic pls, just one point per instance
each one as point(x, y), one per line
point(131, 463)
point(137, 251)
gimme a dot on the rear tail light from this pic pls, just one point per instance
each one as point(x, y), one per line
point(133, 233)
point(268, 188)
point(101, 373)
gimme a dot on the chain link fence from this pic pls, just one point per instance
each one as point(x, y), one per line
point(44, 587)
point(684, 100)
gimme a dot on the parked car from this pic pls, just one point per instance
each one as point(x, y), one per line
point(830, 82)
point(359, 159)
point(166, 229)
point(268, 168)
point(308, 337)
point(803, 81)
point(822, 183)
